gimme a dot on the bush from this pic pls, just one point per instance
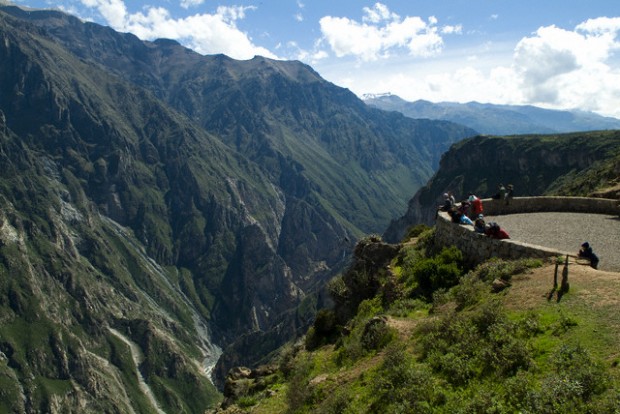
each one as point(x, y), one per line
point(575, 365)
point(323, 331)
point(401, 385)
point(469, 292)
point(476, 344)
point(377, 334)
point(439, 272)
point(298, 392)
point(496, 268)
point(415, 231)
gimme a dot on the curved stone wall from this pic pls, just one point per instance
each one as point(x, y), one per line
point(478, 247)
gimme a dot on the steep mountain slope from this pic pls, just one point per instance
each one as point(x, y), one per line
point(497, 119)
point(567, 164)
point(74, 287)
point(280, 114)
point(151, 195)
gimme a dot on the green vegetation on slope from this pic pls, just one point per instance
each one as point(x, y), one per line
point(435, 337)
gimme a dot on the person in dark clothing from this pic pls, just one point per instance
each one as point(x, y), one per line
point(586, 252)
point(480, 225)
point(446, 206)
point(494, 231)
point(501, 193)
point(447, 203)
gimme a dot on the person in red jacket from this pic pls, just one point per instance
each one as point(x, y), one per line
point(475, 208)
point(494, 231)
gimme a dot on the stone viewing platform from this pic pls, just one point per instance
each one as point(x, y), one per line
point(541, 227)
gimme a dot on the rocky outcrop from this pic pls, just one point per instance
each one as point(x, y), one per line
point(243, 381)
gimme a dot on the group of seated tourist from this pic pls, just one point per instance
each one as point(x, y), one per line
point(469, 212)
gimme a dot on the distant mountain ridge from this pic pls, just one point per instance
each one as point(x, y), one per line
point(496, 119)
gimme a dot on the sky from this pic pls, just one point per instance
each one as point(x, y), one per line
point(561, 54)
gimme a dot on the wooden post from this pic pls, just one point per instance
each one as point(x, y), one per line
point(565, 284)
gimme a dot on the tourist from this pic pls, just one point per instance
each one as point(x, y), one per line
point(494, 231)
point(466, 220)
point(509, 194)
point(464, 207)
point(480, 225)
point(452, 199)
point(447, 205)
point(501, 192)
point(586, 252)
point(476, 206)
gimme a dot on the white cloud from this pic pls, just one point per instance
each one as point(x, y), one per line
point(378, 13)
point(601, 25)
point(571, 68)
point(381, 33)
point(553, 68)
point(458, 29)
point(186, 4)
point(205, 33)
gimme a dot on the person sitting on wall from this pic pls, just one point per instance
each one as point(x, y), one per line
point(476, 206)
point(458, 217)
point(509, 194)
point(501, 192)
point(494, 231)
point(480, 225)
point(586, 252)
point(466, 220)
point(464, 207)
point(455, 215)
point(447, 204)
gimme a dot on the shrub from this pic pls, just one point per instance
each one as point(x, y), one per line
point(404, 307)
point(401, 385)
point(298, 392)
point(475, 344)
point(496, 268)
point(470, 291)
point(323, 331)
point(336, 403)
point(439, 272)
point(377, 334)
point(415, 231)
point(575, 365)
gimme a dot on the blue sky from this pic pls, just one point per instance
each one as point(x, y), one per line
point(556, 54)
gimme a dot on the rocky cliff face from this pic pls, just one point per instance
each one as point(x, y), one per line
point(156, 201)
point(567, 164)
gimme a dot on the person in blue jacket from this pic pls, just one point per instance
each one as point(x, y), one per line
point(586, 252)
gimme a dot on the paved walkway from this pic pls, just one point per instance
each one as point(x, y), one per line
point(566, 232)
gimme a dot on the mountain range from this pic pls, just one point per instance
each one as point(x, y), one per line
point(494, 119)
point(159, 207)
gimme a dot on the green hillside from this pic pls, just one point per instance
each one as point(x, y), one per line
point(432, 336)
